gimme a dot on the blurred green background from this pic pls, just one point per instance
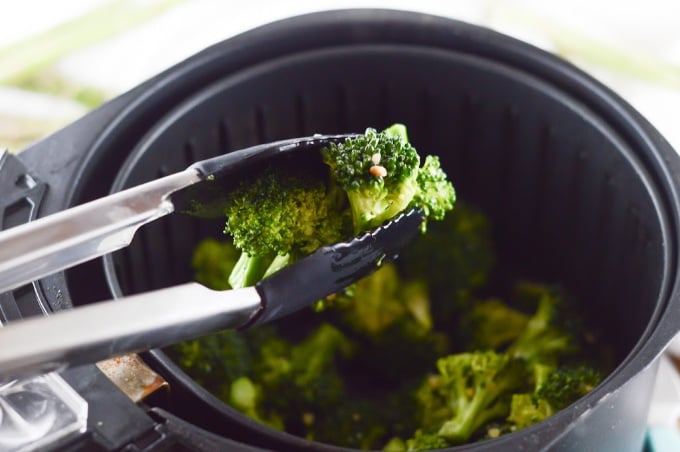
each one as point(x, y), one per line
point(60, 59)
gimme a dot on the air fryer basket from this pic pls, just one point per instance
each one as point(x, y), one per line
point(570, 200)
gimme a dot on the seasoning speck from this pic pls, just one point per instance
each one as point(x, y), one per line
point(378, 171)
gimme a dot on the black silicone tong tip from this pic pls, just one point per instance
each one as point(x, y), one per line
point(332, 268)
point(220, 174)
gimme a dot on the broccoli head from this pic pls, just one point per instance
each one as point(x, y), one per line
point(304, 376)
point(288, 211)
point(565, 385)
point(455, 256)
point(425, 441)
point(481, 384)
point(555, 389)
point(491, 324)
point(470, 390)
point(549, 334)
point(379, 171)
point(277, 217)
point(435, 195)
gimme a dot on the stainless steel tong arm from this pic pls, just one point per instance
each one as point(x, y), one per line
point(67, 238)
point(138, 322)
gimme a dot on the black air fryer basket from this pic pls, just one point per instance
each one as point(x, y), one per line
point(578, 187)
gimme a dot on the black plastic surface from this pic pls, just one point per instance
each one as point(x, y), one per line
point(22, 194)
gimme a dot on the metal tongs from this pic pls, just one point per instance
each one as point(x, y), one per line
point(162, 317)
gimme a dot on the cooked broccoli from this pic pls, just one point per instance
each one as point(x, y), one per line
point(470, 390)
point(387, 313)
point(554, 390)
point(288, 211)
point(304, 375)
point(277, 217)
point(491, 324)
point(419, 355)
point(381, 174)
point(381, 300)
point(212, 262)
point(246, 396)
point(549, 334)
point(426, 441)
point(435, 195)
point(454, 258)
point(216, 360)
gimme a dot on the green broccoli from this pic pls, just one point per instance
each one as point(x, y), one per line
point(470, 390)
point(555, 389)
point(288, 211)
point(212, 262)
point(380, 300)
point(385, 312)
point(276, 218)
point(454, 258)
point(426, 441)
point(380, 172)
point(246, 396)
point(435, 195)
point(216, 360)
point(491, 324)
point(304, 375)
point(550, 333)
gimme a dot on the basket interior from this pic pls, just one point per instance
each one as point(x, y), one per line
point(569, 200)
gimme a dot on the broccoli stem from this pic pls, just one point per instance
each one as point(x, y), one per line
point(279, 262)
point(473, 414)
point(248, 270)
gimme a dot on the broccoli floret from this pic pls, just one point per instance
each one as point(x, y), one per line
point(526, 409)
point(216, 360)
point(212, 261)
point(454, 258)
point(246, 397)
point(379, 171)
point(287, 212)
point(303, 376)
point(435, 195)
point(381, 299)
point(565, 385)
point(491, 324)
point(387, 313)
point(276, 218)
point(554, 390)
point(471, 390)
point(425, 441)
point(549, 334)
